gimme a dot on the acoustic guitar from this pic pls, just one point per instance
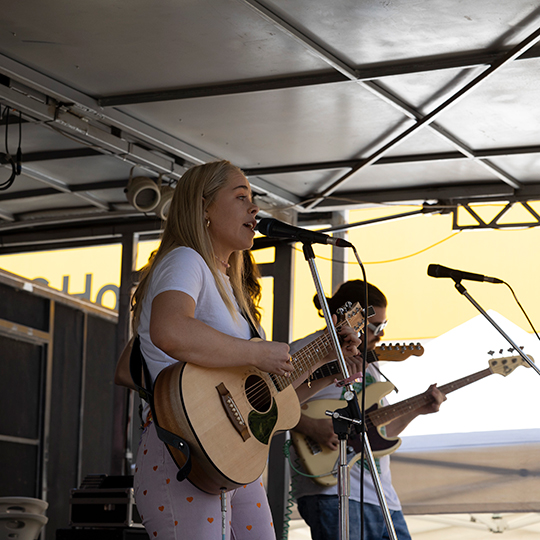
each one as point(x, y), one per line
point(321, 461)
point(229, 415)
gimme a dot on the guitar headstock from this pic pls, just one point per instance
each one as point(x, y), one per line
point(504, 366)
point(396, 353)
point(353, 315)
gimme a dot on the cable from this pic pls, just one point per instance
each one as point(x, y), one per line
point(363, 405)
point(393, 260)
point(15, 165)
point(287, 452)
point(290, 499)
point(292, 492)
point(522, 309)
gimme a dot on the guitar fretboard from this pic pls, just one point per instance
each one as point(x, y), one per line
point(307, 357)
point(380, 417)
point(332, 368)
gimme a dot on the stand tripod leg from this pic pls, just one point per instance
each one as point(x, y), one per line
point(378, 488)
point(223, 498)
point(344, 489)
point(342, 427)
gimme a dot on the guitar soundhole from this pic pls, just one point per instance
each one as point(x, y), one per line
point(258, 393)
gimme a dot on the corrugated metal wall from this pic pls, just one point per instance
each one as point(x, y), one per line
point(57, 361)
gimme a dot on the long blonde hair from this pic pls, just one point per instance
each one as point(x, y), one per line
point(186, 226)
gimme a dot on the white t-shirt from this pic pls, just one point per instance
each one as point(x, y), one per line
point(304, 486)
point(183, 269)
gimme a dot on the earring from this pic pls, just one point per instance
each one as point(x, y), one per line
point(207, 222)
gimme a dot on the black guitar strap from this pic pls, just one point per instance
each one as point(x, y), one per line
point(254, 332)
point(137, 365)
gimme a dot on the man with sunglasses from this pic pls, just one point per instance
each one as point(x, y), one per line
point(319, 505)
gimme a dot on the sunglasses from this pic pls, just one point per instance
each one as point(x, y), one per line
point(377, 329)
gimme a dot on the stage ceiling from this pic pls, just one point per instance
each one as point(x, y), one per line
point(327, 106)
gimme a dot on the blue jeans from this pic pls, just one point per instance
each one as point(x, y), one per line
point(321, 513)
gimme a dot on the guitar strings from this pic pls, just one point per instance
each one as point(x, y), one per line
point(302, 361)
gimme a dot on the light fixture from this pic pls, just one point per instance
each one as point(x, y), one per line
point(162, 209)
point(142, 192)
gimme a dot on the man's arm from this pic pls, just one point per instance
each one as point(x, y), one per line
point(320, 430)
point(394, 428)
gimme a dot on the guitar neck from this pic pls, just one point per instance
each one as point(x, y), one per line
point(332, 368)
point(384, 415)
point(306, 358)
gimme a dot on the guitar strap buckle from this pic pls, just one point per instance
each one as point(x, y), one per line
point(355, 377)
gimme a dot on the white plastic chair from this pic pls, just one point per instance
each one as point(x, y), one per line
point(26, 505)
point(21, 518)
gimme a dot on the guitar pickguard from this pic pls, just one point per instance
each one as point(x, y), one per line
point(262, 424)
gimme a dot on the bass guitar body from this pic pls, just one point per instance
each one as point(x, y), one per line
point(227, 416)
point(319, 460)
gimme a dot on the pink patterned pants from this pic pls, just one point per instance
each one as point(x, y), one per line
point(172, 510)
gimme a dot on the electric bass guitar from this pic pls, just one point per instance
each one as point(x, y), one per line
point(322, 462)
point(229, 415)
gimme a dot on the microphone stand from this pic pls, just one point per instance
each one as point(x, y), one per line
point(343, 419)
point(465, 293)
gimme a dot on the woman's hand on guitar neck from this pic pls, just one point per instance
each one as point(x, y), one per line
point(272, 357)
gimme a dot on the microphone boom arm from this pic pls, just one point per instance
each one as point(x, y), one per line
point(461, 289)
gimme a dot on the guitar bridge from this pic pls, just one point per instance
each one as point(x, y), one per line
point(235, 416)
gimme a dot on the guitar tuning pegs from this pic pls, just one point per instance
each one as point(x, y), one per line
point(501, 351)
point(491, 353)
point(511, 350)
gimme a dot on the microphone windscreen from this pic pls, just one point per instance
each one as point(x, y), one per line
point(264, 226)
point(434, 270)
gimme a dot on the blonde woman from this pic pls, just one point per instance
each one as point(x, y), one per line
point(191, 305)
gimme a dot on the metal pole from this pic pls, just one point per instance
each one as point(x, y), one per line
point(341, 420)
point(282, 270)
point(464, 292)
point(122, 449)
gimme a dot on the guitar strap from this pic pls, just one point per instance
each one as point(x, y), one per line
point(375, 364)
point(137, 365)
point(254, 332)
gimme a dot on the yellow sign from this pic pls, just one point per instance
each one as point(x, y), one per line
point(395, 254)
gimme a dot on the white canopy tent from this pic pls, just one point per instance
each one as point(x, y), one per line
point(473, 469)
point(494, 403)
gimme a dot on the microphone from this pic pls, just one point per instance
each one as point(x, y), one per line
point(278, 229)
point(436, 270)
